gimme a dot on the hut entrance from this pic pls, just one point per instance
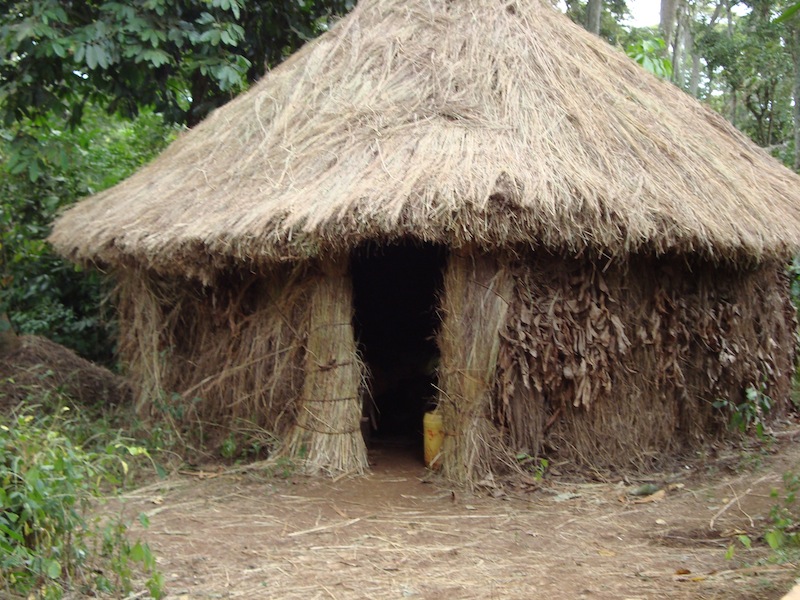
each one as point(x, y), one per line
point(395, 298)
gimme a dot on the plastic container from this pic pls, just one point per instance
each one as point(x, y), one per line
point(433, 432)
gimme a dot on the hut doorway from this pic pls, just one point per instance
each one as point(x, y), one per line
point(395, 291)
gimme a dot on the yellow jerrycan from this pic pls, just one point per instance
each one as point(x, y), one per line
point(433, 431)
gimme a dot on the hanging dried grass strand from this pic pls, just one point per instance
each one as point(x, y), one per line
point(474, 306)
point(327, 434)
point(143, 329)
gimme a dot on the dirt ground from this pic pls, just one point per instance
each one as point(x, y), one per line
point(396, 534)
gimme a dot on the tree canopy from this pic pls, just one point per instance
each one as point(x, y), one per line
point(182, 58)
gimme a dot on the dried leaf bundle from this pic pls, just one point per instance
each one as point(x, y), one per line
point(621, 366)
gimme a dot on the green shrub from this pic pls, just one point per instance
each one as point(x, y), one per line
point(47, 544)
point(783, 532)
point(750, 414)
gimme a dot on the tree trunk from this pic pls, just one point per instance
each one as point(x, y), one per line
point(694, 85)
point(734, 99)
point(594, 10)
point(795, 41)
point(678, 44)
point(694, 82)
point(669, 9)
point(729, 9)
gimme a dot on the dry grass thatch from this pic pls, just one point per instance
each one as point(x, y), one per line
point(481, 122)
point(614, 365)
point(38, 365)
point(272, 351)
point(233, 354)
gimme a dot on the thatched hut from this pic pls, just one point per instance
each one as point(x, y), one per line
point(476, 204)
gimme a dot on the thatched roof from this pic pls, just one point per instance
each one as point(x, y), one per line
point(477, 121)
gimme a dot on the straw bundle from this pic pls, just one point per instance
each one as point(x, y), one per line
point(656, 341)
point(327, 433)
point(477, 289)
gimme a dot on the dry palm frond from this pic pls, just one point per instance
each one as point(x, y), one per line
point(622, 367)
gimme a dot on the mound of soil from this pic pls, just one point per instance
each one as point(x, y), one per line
point(32, 365)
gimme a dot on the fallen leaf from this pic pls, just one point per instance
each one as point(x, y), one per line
point(657, 497)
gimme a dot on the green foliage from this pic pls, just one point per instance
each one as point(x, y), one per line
point(228, 449)
point(41, 293)
point(750, 414)
point(70, 76)
point(536, 466)
point(784, 530)
point(651, 55)
point(123, 55)
point(180, 58)
point(782, 534)
point(47, 544)
point(744, 540)
point(788, 13)
point(613, 13)
point(247, 442)
point(794, 273)
point(751, 58)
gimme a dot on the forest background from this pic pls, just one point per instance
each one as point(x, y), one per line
point(91, 90)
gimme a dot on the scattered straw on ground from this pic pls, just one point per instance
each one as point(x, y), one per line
point(389, 535)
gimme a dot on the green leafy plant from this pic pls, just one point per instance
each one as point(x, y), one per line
point(749, 414)
point(47, 544)
point(536, 466)
point(782, 533)
point(228, 449)
point(744, 540)
point(44, 170)
point(784, 516)
point(650, 54)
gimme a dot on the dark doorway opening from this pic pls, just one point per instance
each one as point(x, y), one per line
point(395, 292)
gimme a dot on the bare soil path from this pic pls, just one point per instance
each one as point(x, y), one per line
point(391, 535)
